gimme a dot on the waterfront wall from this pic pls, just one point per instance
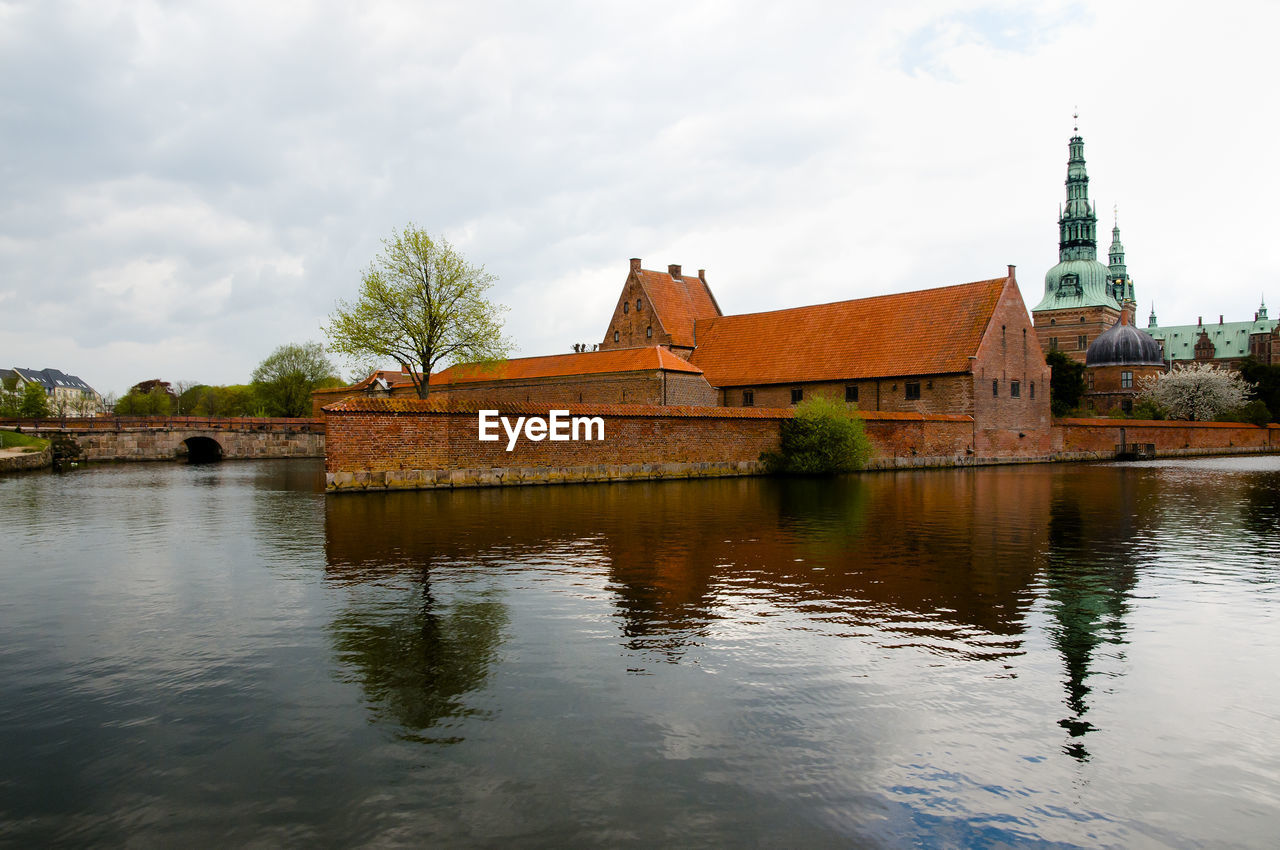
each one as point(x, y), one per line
point(390, 444)
point(170, 438)
point(1092, 439)
point(22, 461)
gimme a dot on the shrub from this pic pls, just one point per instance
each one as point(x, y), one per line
point(1255, 413)
point(825, 437)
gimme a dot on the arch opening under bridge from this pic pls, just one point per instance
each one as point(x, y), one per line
point(202, 450)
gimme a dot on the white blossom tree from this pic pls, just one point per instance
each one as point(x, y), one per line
point(1198, 391)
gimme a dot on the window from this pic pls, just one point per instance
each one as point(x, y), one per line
point(851, 392)
point(1053, 322)
point(1127, 405)
point(626, 307)
point(1053, 343)
point(648, 332)
point(1015, 389)
point(640, 305)
point(913, 390)
point(797, 395)
point(748, 398)
point(995, 388)
point(1033, 389)
point(615, 336)
point(1126, 380)
point(1082, 320)
point(1088, 379)
point(1082, 342)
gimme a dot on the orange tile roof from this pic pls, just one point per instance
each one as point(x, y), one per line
point(678, 303)
point(928, 332)
point(555, 365)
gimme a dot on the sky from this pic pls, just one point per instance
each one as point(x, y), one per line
point(187, 186)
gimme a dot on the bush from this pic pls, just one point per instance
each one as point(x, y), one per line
point(825, 437)
point(1254, 413)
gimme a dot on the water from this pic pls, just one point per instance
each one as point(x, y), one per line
point(1033, 656)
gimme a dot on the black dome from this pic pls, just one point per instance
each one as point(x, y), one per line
point(1124, 345)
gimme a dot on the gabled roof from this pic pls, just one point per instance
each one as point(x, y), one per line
point(556, 365)
point(678, 303)
point(928, 332)
point(52, 379)
point(1230, 339)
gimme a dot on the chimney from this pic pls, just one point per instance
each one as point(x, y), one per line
point(702, 275)
point(1012, 269)
point(673, 270)
point(1200, 322)
point(635, 264)
point(1219, 318)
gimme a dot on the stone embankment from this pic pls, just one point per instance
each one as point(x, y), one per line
point(20, 460)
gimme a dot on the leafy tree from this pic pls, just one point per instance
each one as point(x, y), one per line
point(284, 380)
point(1066, 383)
point(420, 303)
point(1253, 412)
point(140, 402)
point(825, 436)
point(1198, 391)
point(34, 404)
point(1266, 382)
point(10, 396)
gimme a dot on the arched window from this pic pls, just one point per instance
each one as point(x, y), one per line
point(648, 332)
point(615, 336)
point(626, 307)
point(639, 303)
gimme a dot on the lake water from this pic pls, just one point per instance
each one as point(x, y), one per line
point(1049, 656)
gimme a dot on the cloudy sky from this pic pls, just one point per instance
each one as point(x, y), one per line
point(188, 185)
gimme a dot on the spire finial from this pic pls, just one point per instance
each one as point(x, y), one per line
point(1075, 120)
point(1115, 209)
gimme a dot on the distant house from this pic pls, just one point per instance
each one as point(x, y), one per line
point(68, 394)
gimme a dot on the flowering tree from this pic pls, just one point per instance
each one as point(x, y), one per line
point(1197, 391)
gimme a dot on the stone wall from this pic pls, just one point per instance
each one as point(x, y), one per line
point(143, 443)
point(15, 461)
point(1088, 439)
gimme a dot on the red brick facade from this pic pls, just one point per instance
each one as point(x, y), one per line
point(1071, 331)
point(1102, 436)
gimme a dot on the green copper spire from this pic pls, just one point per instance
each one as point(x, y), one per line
point(1118, 274)
point(1151, 320)
point(1262, 311)
point(1077, 225)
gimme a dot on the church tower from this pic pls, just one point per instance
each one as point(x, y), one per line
point(1121, 283)
point(1082, 298)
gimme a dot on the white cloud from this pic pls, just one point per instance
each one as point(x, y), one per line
point(196, 184)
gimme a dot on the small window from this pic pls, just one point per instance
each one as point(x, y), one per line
point(1015, 389)
point(1082, 320)
point(640, 305)
point(912, 390)
point(1127, 405)
point(1033, 389)
point(1053, 322)
point(995, 388)
point(797, 395)
point(1053, 343)
point(626, 307)
point(1126, 380)
point(1082, 342)
point(748, 398)
point(648, 332)
point(615, 336)
point(851, 392)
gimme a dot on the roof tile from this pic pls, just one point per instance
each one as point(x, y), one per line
point(679, 302)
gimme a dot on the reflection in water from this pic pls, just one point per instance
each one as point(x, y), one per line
point(417, 663)
point(1090, 574)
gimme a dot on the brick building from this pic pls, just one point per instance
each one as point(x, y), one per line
point(1115, 365)
point(967, 350)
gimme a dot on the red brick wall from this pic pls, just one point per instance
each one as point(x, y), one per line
point(1066, 326)
point(1009, 351)
point(939, 394)
point(631, 324)
point(1103, 435)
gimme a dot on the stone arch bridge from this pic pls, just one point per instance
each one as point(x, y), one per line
point(189, 438)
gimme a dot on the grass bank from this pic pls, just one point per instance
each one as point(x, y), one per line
point(14, 440)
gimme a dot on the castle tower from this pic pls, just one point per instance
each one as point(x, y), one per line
point(1080, 294)
point(1121, 283)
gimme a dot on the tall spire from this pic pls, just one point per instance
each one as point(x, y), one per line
point(1151, 320)
point(1117, 272)
point(1262, 311)
point(1077, 224)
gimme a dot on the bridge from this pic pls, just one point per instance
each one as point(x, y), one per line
point(197, 439)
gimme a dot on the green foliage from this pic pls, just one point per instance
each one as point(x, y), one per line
point(284, 381)
point(34, 403)
point(13, 439)
point(1148, 409)
point(10, 397)
point(1266, 381)
point(826, 436)
point(420, 303)
point(1066, 386)
point(232, 400)
point(1255, 413)
point(138, 402)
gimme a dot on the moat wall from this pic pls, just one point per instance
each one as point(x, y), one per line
point(392, 444)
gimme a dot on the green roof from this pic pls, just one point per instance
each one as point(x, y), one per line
point(1230, 339)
